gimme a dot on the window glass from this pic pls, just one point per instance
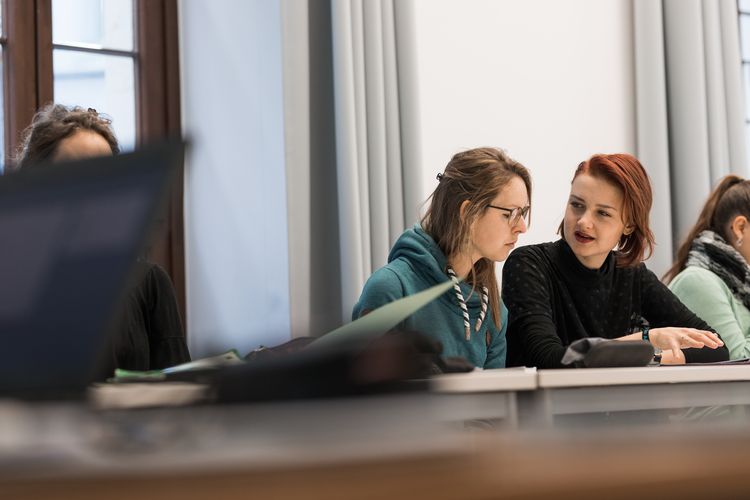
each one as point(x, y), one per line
point(105, 23)
point(103, 82)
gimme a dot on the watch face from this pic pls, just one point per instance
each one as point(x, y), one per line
point(657, 355)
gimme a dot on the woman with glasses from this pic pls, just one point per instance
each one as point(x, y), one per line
point(476, 213)
point(592, 282)
point(711, 274)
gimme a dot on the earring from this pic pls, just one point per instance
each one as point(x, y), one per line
point(739, 241)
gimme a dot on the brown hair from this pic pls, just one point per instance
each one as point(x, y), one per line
point(627, 173)
point(476, 175)
point(730, 198)
point(55, 122)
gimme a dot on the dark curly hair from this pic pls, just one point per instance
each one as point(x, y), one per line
point(55, 122)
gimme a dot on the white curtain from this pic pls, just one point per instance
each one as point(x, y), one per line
point(368, 139)
point(689, 108)
point(347, 70)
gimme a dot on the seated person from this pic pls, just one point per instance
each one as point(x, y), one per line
point(711, 274)
point(149, 333)
point(476, 213)
point(593, 283)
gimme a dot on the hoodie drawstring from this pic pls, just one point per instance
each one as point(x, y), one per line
point(462, 304)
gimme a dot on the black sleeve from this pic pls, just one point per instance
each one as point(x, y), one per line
point(165, 334)
point(662, 308)
point(526, 290)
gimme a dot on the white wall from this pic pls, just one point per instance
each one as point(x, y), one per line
point(235, 193)
point(550, 81)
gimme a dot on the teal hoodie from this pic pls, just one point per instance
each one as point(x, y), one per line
point(415, 264)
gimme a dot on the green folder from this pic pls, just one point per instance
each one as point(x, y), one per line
point(229, 357)
point(361, 331)
point(382, 319)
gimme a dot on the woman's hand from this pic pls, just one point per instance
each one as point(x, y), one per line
point(668, 358)
point(674, 339)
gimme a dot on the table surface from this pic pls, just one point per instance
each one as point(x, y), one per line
point(526, 379)
point(264, 452)
point(591, 377)
point(390, 446)
point(505, 379)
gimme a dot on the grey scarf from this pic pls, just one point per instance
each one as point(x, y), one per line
point(710, 251)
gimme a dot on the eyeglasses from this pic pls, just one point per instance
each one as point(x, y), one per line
point(515, 214)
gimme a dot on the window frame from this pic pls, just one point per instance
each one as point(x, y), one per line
point(27, 57)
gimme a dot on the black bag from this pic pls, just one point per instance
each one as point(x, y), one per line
point(597, 352)
point(390, 363)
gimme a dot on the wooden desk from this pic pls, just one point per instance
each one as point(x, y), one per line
point(527, 397)
point(577, 391)
point(645, 375)
point(482, 394)
point(269, 459)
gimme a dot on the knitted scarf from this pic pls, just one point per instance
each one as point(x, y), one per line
point(710, 251)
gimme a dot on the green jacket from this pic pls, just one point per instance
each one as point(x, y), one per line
point(709, 297)
point(415, 264)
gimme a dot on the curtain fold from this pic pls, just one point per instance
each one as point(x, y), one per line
point(351, 146)
point(699, 90)
point(368, 139)
point(344, 114)
point(651, 122)
point(735, 95)
point(310, 154)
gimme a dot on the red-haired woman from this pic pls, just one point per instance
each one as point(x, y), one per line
point(593, 283)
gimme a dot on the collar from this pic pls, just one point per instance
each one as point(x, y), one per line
point(575, 272)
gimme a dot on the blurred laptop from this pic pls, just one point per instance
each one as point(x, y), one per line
point(70, 233)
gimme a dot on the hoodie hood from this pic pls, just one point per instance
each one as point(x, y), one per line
point(425, 258)
point(418, 247)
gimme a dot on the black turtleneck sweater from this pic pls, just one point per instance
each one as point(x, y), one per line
point(553, 300)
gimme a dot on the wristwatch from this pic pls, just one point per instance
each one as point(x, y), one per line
point(657, 352)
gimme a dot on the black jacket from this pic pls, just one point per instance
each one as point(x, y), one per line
point(148, 333)
point(553, 300)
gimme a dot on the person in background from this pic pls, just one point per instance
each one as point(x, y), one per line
point(592, 282)
point(149, 333)
point(475, 216)
point(711, 275)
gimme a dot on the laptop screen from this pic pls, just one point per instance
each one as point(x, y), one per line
point(70, 234)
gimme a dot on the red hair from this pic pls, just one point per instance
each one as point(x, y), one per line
point(627, 173)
